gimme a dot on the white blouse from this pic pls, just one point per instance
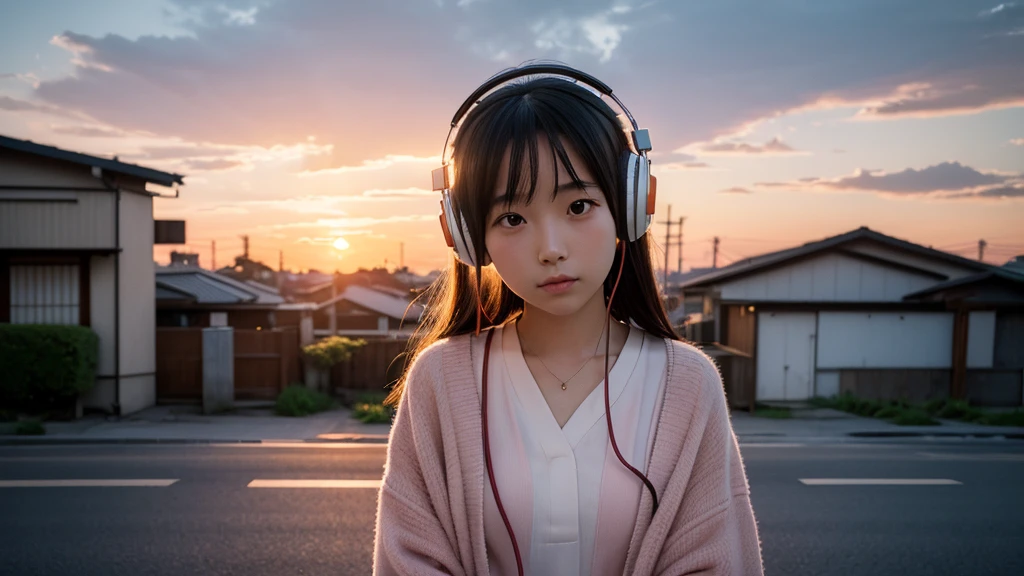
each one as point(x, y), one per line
point(570, 501)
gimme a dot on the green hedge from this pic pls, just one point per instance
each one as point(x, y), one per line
point(45, 367)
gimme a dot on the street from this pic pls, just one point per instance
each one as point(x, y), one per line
point(235, 508)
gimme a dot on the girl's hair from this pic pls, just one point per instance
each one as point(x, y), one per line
point(513, 117)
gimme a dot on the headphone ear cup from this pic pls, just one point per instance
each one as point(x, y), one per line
point(458, 231)
point(635, 170)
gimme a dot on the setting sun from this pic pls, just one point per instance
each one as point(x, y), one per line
point(341, 244)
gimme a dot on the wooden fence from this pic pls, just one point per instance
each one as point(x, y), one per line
point(266, 361)
point(179, 364)
point(372, 368)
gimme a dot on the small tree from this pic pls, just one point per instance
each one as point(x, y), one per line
point(327, 353)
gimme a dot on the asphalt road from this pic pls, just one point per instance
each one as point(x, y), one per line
point(204, 514)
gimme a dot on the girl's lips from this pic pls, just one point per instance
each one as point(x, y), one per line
point(558, 287)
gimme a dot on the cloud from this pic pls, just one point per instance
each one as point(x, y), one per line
point(995, 193)
point(682, 166)
point(406, 193)
point(18, 105)
point(215, 164)
point(1017, 141)
point(89, 131)
point(773, 147)
point(288, 70)
point(939, 180)
point(30, 78)
point(388, 161)
point(735, 190)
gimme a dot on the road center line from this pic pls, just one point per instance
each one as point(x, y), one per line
point(878, 481)
point(106, 483)
point(260, 483)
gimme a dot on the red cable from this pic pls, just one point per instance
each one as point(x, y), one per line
point(607, 412)
point(487, 454)
point(607, 404)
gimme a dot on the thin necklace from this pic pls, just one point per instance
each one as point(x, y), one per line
point(564, 382)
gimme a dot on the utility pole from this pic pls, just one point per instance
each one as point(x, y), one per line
point(680, 236)
point(401, 255)
point(668, 244)
point(981, 250)
point(245, 243)
point(213, 255)
point(714, 259)
point(280, 260)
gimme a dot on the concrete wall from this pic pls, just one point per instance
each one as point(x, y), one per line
point(138, 304)
point(101, 303)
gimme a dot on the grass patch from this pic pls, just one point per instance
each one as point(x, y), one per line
point(369, 408)
point(776, 412)
point(30, 428)
point(914, 417)
point(297, 400)
point(905, 414)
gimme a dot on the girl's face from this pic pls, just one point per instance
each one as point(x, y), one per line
point(556, 251)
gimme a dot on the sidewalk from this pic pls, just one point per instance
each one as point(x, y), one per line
point(248, 423)
point(256, 423)
point(825, 423)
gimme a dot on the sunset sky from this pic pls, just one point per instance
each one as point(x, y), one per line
point(774, 122)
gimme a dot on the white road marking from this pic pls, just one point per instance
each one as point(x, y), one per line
point(134, 482)
point(994, 457)
point(878, 481)
point(315, 484)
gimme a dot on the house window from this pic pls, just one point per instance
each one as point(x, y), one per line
point(45, 294)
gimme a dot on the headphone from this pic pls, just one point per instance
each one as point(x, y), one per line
point(639, 186)
point(640, 191)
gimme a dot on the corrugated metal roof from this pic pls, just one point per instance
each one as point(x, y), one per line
point(147, 174)
point(168, 293)
point(386, 304)
point(210, 288)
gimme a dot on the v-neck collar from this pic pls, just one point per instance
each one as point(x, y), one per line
point(589, 411)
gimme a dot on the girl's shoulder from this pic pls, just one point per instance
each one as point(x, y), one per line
point(687, 361)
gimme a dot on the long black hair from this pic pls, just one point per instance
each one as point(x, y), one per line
point(510, 119)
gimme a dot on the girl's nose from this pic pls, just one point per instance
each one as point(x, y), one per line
point(552, 244)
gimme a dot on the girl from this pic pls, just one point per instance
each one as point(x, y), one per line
point(550, 420)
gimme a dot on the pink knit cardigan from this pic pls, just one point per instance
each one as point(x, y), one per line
point(430, 506)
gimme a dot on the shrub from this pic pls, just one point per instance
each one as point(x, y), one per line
point(297, 400)
point(1015, 418)
point(30, 428)
point(373, 413)
point(370, 409)
point(914, 417)
point(332, 350)
point(45, 367)
point(889, 412)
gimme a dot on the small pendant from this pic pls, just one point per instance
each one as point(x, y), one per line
point(563, 385)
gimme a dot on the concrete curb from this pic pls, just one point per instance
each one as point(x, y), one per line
point(322, 439)
point(912, 434)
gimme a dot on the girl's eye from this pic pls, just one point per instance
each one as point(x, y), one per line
point(581, 207)
point(511, 220)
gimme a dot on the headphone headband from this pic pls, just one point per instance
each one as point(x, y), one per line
point(530, 69)
point(640, 138)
